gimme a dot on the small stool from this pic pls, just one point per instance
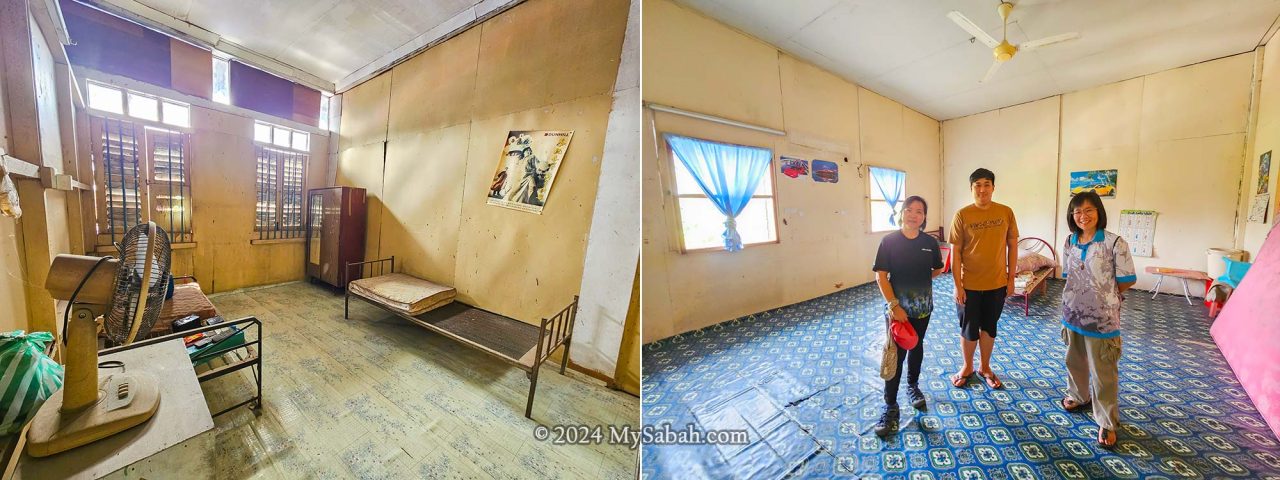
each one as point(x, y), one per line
point(1179, 273)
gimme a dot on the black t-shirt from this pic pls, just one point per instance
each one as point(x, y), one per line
point(910, 263)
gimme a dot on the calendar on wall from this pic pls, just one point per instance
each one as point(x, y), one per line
point(1138, 227)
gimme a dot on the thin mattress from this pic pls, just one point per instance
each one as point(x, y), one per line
point(402, 292)
point(1028, 280)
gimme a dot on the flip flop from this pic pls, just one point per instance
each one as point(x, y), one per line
point(1102, 437)
point(959, 381)
point(992, 381)
point(1077, 407)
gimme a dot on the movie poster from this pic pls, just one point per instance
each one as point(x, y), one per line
point(527, 169)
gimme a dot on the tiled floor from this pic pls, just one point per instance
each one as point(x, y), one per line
point(377, 397)
point(1183, 413)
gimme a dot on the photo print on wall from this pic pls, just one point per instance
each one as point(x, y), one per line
point(1102, 182)
point(794, 167)
point(826, 172)
point(527, 169)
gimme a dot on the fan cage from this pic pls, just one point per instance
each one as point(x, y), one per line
point(129, 280)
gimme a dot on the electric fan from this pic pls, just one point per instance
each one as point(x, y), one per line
point(87, 410)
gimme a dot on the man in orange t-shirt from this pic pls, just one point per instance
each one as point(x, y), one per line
point(984, 239)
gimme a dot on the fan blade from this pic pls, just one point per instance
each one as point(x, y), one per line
point(973, 29)
point(1034, 44)
point(991, 71)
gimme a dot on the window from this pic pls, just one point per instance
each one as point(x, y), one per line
point(702, 225)
point(281, 172)
point(221, 78)
point(885, 198)
point(142, 106)
point(141, 172)
point(324, 110)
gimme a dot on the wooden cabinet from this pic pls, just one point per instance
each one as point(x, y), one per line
point(335, 233)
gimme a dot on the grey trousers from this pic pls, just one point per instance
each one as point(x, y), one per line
point(1093, 374)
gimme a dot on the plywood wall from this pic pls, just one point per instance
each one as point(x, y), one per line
point(32, 100)
point(1266, 138)
point(696, 63)
point(424, 139)
point(1177, 139)
point(223, 178)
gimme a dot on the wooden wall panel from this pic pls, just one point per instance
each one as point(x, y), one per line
point(436, 88)
point(423, 199)
point(362, 167)
point(544, 52)
point(191, 69)
point(364, 113)
point(521, 264)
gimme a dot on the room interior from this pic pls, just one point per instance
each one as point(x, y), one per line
point(284, 149)
point(1176, 99)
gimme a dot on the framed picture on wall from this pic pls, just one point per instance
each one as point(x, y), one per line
point(527, 169)
point(1102, 182)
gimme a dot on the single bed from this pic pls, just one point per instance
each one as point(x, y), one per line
point(431, 306)
point(1037, 261)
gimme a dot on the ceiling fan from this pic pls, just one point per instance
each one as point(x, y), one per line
point(1003, 50)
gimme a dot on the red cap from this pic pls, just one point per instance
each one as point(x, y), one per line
point(904, 335)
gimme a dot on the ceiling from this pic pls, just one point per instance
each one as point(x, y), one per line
point(327, 39)
point(911, 52)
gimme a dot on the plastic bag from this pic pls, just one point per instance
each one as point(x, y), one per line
point(889, 358)
point(29, 377)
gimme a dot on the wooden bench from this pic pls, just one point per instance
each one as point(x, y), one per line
point(518, 343)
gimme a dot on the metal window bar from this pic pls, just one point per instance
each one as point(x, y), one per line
point(173, 199)
point(280, 181)
point(120, 175)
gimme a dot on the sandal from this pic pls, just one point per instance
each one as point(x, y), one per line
point(959, 381)
point(1073, 406)
point(1104, 435)
point(992, 381)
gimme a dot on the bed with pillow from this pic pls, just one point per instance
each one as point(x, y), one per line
point(1036, 262)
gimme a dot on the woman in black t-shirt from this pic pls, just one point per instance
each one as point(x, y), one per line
point(906, 263)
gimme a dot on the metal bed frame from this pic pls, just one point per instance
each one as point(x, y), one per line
point(254, 359)
point(497, 335)
point(1036, 245)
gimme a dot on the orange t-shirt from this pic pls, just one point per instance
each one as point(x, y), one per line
point(980, 236)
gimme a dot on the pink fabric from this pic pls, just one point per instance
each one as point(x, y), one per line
point(1243, 331)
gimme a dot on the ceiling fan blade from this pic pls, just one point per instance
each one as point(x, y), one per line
point(973, 29)
point(991, 72)
point(1034, 44)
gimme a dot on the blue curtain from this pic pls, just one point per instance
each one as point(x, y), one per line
point(727, 174)
point(890, 184)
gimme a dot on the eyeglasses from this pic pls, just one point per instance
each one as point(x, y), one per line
point(1087, 211)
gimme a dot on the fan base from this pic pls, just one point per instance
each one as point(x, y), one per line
point(54, 431)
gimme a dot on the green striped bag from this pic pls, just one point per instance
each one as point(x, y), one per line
point(27, 376)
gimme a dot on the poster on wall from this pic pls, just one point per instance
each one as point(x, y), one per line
point(1138, 227)
point(1258, 209)
point(826, 172)
point(527, 169)
point(794, 167)
point(1102, 182)
point(1264, 172)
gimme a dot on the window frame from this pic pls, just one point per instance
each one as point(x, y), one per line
point(871, 188)
point(144, 133)
point(673, 163)
point(124, 114)
point(285, 154)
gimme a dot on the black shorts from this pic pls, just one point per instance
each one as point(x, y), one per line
point(980, 312)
